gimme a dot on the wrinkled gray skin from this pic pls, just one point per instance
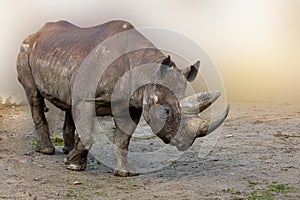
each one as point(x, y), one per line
point(47, 65)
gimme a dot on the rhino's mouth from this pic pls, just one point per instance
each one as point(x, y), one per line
point(192, 125)
point(181, 141)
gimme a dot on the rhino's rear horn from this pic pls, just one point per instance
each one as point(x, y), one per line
point(195, 104)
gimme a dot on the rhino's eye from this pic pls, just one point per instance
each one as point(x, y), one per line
point(167, 111)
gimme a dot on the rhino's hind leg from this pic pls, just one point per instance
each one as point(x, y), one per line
point(69, 132)
point(77, 158)
point(36, 102)
point(121, 143)
point(41, 125)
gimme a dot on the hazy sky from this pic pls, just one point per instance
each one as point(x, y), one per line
point(255, 43)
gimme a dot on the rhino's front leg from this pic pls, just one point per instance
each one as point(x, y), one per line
point(122, 137)
point(120, 152)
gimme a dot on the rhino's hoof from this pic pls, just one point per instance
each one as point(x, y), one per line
point(73, 166)
point(124, 173)
point(45, 150)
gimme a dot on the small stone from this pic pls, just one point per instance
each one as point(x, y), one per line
point(147, 188)
point(77, 183)
point(229, 136)
point(41, 165)
point(29, 153)
point(120, 187)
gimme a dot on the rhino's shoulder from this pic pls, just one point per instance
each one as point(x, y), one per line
point(111, 27)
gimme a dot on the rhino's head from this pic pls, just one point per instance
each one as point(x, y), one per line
point(173, 118)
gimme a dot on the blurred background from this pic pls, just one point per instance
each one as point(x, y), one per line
point(254, 43)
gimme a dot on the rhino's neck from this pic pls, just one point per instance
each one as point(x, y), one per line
point(138, 75)
point(136, 99)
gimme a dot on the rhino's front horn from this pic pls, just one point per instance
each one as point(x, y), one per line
point(203, 127)
point(195, 104)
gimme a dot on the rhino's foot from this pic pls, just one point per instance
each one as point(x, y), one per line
point(45, 149)
point(76, 167)
point(76, 160)
point(125, 171)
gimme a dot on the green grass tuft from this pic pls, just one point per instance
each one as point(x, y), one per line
point(271, 191)
point(57, 141)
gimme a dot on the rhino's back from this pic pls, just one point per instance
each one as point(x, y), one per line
point(58, 49)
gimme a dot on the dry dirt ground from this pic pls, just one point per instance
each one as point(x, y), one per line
point(257, 156)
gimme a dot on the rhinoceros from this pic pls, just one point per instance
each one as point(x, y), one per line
point(48, 63)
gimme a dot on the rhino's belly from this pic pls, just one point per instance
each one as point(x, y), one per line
point(54, 82)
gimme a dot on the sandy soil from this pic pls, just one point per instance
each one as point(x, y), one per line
point(257, 156)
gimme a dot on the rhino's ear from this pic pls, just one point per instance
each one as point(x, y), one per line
point(191, 72)
point(167, 61)
point(165, 64)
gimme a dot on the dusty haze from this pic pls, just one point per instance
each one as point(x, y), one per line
point(255, 43)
